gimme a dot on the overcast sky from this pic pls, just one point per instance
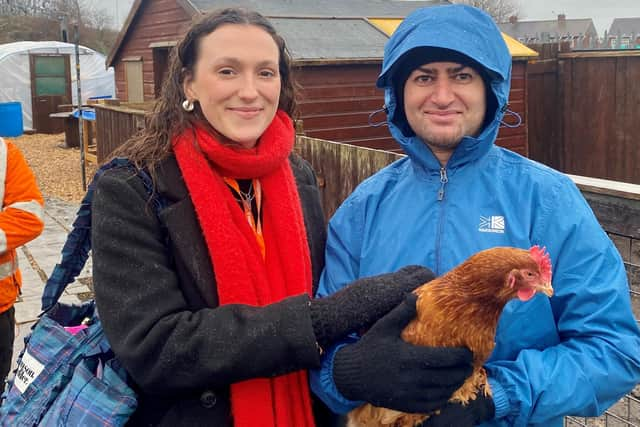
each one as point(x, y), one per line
point(601, 11)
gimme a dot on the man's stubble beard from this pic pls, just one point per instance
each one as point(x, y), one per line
point(442, 142)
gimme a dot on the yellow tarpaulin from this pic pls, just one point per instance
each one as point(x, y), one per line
point(517, 49)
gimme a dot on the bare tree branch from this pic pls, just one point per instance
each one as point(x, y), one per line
point(24, 7)
point(500, 10)
point(44, 20)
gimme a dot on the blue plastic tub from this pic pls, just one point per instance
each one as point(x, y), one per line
point(87, 114)
point(10, 119)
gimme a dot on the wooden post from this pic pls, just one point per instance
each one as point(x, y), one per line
point(80, 122)
point(88, 145)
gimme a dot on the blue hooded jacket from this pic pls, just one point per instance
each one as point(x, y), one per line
point(574, 354)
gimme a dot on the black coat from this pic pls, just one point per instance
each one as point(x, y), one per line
point(160, 310)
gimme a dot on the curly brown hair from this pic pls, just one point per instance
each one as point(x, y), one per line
point(167, 119)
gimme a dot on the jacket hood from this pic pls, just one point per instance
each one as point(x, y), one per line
point(462, 29)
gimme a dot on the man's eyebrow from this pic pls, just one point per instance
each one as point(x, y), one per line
point(452, 70)
point(427, 70)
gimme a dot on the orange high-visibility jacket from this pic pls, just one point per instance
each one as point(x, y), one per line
point(21, 218)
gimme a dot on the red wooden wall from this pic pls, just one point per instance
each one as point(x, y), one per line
point(336, 100)
point(156, 21)
point(335, 103)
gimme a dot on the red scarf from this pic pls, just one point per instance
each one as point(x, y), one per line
point(242, 276)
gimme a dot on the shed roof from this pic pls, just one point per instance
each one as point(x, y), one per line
point(516, 49)
point(326, 8)
point(625, 26)
point(330, 38)
point(302, 9)
point(527, 29)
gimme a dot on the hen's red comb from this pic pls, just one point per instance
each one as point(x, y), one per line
point(544, 261)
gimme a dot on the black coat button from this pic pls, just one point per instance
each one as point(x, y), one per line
point(208, 399)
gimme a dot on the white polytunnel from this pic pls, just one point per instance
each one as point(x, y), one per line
point(15, 81)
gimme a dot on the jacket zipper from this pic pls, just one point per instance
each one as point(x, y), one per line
point(443, 181)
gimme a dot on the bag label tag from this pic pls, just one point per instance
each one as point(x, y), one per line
point(28, 370)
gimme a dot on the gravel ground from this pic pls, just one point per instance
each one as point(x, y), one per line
point(57, 168)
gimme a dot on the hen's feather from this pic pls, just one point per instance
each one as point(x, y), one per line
point(461, 309)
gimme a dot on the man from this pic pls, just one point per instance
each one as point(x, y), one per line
point(21, 221)
point(446, 75)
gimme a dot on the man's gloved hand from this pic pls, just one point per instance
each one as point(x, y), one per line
point(358, 305)
point(458, 415)
point(386, 371)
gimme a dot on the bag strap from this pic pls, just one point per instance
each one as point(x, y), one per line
point(75, 251)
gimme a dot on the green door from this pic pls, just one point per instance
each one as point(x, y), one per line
point(50, 87)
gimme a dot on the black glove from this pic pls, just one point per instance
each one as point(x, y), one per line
point(358, 305)
point(458, 415)
point(386, 371)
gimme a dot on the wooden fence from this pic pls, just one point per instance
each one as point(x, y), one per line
point(617, 207)
point(583, 112)
point(114, 125)
point(341, 167)
point(544, 114)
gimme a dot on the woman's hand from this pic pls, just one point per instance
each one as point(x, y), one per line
point(358, 305)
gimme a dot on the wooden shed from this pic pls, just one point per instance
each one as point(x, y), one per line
point(153, 27)
point(337, 50)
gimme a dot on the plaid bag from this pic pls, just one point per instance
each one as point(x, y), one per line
point(67, 374)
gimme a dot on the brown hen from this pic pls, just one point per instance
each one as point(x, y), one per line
point(461, 308)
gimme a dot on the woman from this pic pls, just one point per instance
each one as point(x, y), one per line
point(206, 302)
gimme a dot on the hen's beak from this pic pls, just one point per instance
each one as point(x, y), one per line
point(545, 288)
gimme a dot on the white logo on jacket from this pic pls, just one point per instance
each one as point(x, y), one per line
point(492, 224)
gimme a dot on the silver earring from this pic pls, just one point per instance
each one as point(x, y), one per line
point(187, 105)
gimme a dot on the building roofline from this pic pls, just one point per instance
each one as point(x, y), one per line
point(188, 7)
point(192, 10)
